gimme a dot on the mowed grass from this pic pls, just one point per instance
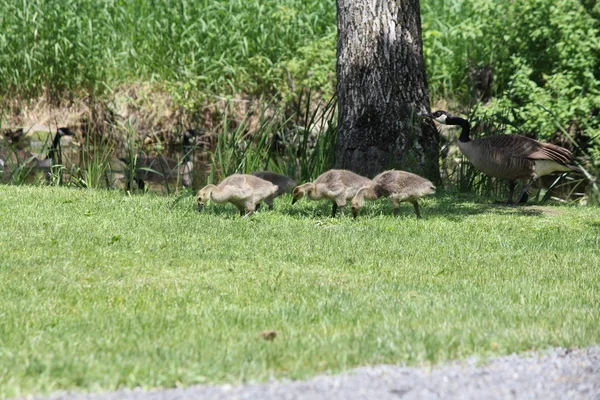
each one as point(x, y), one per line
point(100, 290)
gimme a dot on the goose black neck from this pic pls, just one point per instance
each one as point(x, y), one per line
point(464, 124)
point(56, 141)
point(53, 149)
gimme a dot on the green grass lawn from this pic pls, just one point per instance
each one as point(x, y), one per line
point(99, 290)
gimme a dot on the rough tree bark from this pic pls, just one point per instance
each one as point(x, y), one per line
point(381, 87)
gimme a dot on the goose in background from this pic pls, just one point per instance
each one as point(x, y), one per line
point(26, 158)
point(12, 155)
point(510, 157)
point(283, 183)
point(159, 169)
point(243, 191)
point(336, 185)
point(54, 155)
point(398, 186)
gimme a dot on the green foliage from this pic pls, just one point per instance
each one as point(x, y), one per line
point(106, 290)
point(545, 58)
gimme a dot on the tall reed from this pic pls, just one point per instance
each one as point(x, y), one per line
point(301, 145)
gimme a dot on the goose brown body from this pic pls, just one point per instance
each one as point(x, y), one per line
point(336, 185)
point(515, 157)
point(243, 191)
point(511, 157)
point(283, 183)
point(398, 186)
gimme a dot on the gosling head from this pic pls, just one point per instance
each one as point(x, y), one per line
point(203, 196)
point(357, 203)
point(297, 194)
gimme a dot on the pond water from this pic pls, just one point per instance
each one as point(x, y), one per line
point(173, 167)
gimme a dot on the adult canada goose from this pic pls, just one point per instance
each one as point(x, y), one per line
point(159, 169)
point(336, 185)
point(398, 186)
point(54, 155)
point(511, 157)
point(243, 191)
point(283, 183)
point(12, 154)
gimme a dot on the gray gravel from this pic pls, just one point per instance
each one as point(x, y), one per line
point(555, 374)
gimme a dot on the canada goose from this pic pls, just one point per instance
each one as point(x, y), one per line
point(337, 185)
point(158, 169)
point(243, 191)
point(399, 186)
point(13, 135)
point(511, 157)
point(54, 155)
point(284, 184)
point(14, 155)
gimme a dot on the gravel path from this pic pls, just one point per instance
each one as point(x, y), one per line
point(557, 374)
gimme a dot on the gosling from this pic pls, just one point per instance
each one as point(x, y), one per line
point(398, 186)
point(243, 191)
point(284, 184)
point(336, 185)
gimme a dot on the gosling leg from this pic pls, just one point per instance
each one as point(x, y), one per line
point(416, 205)
point(269, 202)
point(396, 207)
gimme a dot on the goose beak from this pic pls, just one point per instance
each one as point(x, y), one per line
point(424, 114)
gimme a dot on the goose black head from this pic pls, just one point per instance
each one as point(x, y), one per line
point(188, 135)
point(64, 132)
point(439, 116)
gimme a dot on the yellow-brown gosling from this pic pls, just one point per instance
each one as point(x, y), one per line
point(511, 157)
point(398, 186)
point(243, 191)
point(336, 185)
point(284, 184)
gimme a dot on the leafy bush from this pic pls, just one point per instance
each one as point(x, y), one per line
point(545, 59)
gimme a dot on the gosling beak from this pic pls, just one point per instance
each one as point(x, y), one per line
point(294, 201)
point(200, 206)
point(355, 213)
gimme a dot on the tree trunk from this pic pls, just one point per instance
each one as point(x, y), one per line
point(381, 87)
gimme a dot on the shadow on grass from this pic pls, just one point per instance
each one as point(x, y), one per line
point(453, 207)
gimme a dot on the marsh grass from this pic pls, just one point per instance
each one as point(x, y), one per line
point(93, 170)
point(103, 290)
point(301, 145)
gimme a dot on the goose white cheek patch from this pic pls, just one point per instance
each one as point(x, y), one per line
point(441, 119)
